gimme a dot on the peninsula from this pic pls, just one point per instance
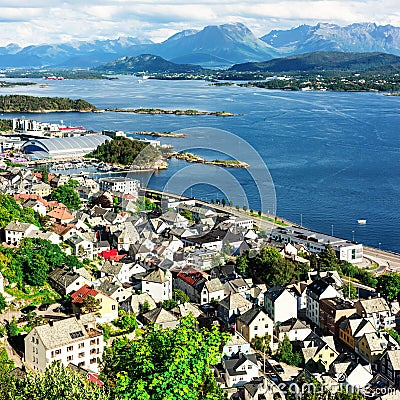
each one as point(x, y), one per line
point(194, 158)
point(175, 112)
point(17, 103)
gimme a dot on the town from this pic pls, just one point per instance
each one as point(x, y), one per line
point(85, 262)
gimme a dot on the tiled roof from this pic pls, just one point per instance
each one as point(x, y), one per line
point(60, 213)
point(78, 296)
point(61, 333)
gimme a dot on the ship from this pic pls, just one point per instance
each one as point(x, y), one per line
point(362, 221)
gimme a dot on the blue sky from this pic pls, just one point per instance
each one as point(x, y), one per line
point(44, 21)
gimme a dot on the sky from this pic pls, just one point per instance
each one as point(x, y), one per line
point(28, 22)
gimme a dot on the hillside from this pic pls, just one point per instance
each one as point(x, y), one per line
point(148, 63)
point(22, 103)
point(325, 61)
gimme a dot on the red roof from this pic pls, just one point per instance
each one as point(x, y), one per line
point(191, 276)
point(95, 379)
point(108, 253)
point(80, 294)
point(117, 257)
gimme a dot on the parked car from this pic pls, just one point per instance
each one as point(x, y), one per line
point(279, 369)
point(28, 309)
point(44, 307)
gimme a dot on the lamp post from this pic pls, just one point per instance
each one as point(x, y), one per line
point(379, 244)
point(353, 235)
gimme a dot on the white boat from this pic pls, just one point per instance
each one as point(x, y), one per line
point(362, 221)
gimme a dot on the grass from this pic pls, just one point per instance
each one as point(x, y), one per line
point(36, 295)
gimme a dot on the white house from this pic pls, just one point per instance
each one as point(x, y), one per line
point(240, 369)
point(236, 344)
point(72, 340)
point(280, 304)
point(82, 248)
point(16, 231)
point(158, 284)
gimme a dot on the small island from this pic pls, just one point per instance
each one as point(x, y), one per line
point(194, 158)
point(129, 154)
point(17, 103)
point(162, 134)
point(4, 84)
point(174, 112)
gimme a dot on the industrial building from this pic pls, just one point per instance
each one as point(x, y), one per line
point(59, 148)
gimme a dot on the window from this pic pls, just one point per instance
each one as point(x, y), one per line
point(80, 345)
point(58, 351)
point(70, 348)
point(93, 341)
point(93, 360)
point(256, 328)
point(81, 355)
point(113, 307)
point(69, 358)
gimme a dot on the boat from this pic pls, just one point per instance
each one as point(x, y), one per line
point(362, 221)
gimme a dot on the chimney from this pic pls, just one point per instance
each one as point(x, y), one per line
point(51, 322)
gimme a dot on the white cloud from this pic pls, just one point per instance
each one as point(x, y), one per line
point(48, 21)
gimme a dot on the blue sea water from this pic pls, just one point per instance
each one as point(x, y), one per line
point(334, 158)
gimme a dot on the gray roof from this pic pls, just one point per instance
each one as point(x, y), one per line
point(63, 276)
point(248, 317)
point(67, 144)
point(159, 316)
point(62, 332)
point(17, 226)
point(234, 301)
point(157, 275)
point(233, 364)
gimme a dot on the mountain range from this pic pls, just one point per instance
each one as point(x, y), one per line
point(222, 45)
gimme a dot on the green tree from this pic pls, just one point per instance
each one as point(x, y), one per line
point(36, 257)
point(144, 307)
point(328, 260)
point(223, 202)
point(165, 364)
point(45, 175)
point(3, 304)
point(90, 305)
point(180, 296)
point(59, 382)
point(389, 285)
point(143, 204)
point(7, 382)
point(262, 343)
point(242, 263)
point(126, 321)
point(286, 354)
point(350, 291)
point(12, 327)
point(169, 304)
point(67, 195)
point(10, 211)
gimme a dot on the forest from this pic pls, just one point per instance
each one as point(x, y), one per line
point(23, 103)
